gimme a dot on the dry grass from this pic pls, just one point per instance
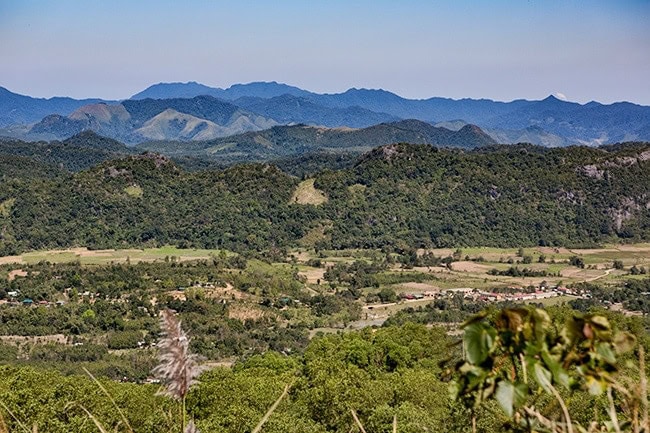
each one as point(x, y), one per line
point(245, 312)
point(133, 191)
point(420, 287)
point(5, 207)
point(11, 259)
point(470, 267)
point(39, 339)
point(313, 275)
point(306, 193)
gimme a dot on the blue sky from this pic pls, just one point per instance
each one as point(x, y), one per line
point(504, 50)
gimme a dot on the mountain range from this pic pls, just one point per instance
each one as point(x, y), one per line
point(195, 112)
point(283, 141)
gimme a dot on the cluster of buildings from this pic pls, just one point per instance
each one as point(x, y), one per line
point(519, 294)
point(14, 299)
point(515, 294)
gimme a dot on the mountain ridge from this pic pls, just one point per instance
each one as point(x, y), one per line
point(283, 141)
point(561, 122)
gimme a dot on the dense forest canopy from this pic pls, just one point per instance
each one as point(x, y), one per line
point(398, 195)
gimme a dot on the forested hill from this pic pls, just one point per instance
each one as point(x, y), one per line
point(397, 195)
point(287, 141)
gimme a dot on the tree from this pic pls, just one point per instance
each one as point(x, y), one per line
point(387, 294)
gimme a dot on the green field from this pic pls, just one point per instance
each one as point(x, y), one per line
point(472, 273)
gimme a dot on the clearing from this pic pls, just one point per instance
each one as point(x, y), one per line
point(306, 193)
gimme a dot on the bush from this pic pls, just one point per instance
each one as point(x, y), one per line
point(124, 340)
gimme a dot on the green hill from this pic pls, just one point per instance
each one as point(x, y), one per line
point(397, 195)
point(287, 141)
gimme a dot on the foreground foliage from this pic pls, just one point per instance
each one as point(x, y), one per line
point(377, 375)
point(520, 361)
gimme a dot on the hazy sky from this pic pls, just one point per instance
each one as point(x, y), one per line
point(504, 50)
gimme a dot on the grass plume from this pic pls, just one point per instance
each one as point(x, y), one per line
point(178, 368)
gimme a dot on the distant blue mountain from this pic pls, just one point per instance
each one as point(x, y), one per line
point(19, 109)
point(287, 109)
point(192, 89)
point(177, 90)
point(263, 90)
point(550, 121)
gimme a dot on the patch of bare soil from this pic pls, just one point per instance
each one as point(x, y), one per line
point(420, 287)
point(228, 292)
point(302, 256)
point(592, 250)
point(16, 273)
point(177, 294)
point(570, 272)
point(633, 248)
point(11, 259)
point(469, 267)
point(313, 275)
point(41, 339)
point(552, 250)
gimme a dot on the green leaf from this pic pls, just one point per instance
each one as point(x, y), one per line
point(478, 342)
point(454, 390)
point(600, 322)
point(540, 325)
point(510, 396)
point(559, 374)
point(543, 377)
point(606, 353)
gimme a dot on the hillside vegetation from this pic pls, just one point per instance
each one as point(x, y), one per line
point(287, 141)
point(395, 196)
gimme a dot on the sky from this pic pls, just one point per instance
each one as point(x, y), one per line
point(581, 50)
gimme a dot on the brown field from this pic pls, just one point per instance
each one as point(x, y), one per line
point(16, 273)
point(11, 259)
point(470, 267)
point(41, 339)
point(313, 274)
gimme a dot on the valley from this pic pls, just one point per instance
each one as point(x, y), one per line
point(300, 258)
point(303, 290)
point(436, 220)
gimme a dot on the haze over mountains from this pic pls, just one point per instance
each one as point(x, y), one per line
point(195, 112)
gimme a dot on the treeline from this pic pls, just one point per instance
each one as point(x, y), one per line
point(396, 197)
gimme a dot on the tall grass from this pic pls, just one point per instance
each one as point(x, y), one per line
point(178, 367)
